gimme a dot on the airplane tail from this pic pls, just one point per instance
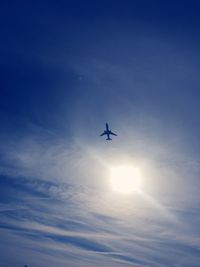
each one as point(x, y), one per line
point(109, 138)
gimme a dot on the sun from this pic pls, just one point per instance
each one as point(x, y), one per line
point(125, 179)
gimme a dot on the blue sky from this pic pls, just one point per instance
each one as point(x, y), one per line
point(67, 67)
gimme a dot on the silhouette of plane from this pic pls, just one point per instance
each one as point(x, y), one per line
point(108, 132)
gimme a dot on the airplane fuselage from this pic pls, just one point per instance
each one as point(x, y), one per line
point(108, 132)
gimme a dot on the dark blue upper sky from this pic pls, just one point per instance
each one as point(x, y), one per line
point(66, 68)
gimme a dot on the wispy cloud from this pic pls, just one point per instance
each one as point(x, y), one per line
point(83, 227)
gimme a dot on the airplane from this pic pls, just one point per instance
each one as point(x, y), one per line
point(108, 133)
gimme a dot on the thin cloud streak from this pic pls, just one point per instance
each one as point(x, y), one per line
point(112, 236)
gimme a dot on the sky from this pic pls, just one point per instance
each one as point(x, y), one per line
point(67, 68)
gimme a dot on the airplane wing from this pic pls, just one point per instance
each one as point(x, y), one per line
point(102, 134)
point(113, 133)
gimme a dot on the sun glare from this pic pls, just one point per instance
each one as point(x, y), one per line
point(125, 179)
